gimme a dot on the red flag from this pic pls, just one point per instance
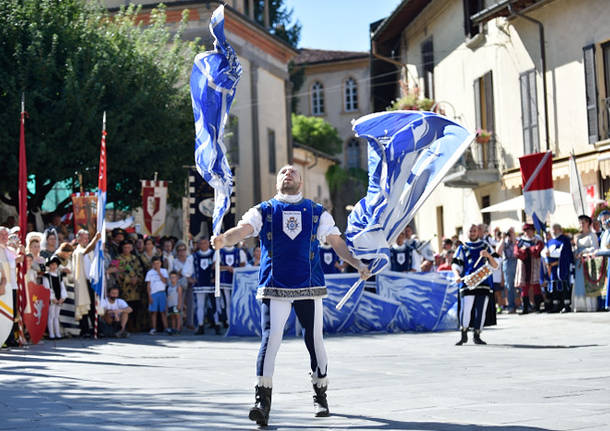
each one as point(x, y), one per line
point(537, 176)
point(23, 208)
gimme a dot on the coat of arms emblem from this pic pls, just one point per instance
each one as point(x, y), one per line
point(291, 223)
point(400, 258)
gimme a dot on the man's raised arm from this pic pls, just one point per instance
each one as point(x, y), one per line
point(232, 236)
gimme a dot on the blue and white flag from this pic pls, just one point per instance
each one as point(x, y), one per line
point(409, 154)
point(213, 82)
point(97, 266)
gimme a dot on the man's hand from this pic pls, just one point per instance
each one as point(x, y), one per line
point(363, 270)
point(218, 241)
point(485, 254)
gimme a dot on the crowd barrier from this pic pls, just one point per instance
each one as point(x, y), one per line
point(403, 302)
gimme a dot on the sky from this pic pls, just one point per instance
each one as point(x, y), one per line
point(338, 24)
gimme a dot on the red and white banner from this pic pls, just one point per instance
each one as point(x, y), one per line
point(154, 201)
point(84, 208)
point(36, 320)
point(537, 177)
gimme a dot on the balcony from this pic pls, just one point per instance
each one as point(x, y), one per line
point(477, 167)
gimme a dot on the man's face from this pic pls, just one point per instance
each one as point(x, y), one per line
point(83, 239)
point(167, 246)
point(473, 233)
point(557, 231)
point(288, 180)
point(157, 264)
point(119, 238)
point(182, 252)
point(3, 237)
point(400, 239)
point(204, 244)
point(127, 249)
point(408, 232)
point(113, 295)
point(529, 232)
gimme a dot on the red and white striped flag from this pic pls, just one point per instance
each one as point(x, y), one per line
point(537, 176)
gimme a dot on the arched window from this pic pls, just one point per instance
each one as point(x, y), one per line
point(317, 99)
point(351, 95)
point(352, 153)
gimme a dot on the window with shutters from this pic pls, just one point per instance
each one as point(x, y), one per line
point(317, 99)
point(529, 112)
point(605, 105)
point(471, 7)
point(485, 153)
point(427, 55)
point(353, 153)
point(351, 95)
point(591, 93)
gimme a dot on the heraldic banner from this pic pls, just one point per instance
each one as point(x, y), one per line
point(37, 311)
point(154, 201)
point(84, 206)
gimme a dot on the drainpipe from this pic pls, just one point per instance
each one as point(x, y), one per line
point(543, 67)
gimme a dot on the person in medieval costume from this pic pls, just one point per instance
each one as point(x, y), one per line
point(587, 243)
point(331, 264)
point(558, 258)
point(527, 250)
point(202, 274)
point(52, 280)
point(84, 295)
point(604, 250)
point(290, 229)
point(401, 255)
point(230, 258)
point(470, 257)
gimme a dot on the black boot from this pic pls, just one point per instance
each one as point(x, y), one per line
point(464, 338)
point(262, 405)
point(538, 300)
point(526, 305)
point(477, 337)
point(320, 403)
point(200, 330)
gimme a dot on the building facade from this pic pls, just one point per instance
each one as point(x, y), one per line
point(336, 88)
point(534, 73)
point(259, 137)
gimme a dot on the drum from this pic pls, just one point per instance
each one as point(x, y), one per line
point(471, 281)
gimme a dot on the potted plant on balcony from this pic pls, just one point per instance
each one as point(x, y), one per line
point(483, 136)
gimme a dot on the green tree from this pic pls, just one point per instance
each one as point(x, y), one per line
point(73, 61)
point(317, 133)
point(280, 21)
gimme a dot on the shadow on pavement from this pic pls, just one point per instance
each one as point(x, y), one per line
point(545, 346)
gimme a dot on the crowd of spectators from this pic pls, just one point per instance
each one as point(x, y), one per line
point(164, 284)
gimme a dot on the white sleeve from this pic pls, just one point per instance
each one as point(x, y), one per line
point(64, 292)
point(326, 227)
point(253, 218)
point(45, 283)
point(122, 304)
point(243, 257)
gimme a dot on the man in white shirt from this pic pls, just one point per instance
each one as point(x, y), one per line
point(84, 296)
point(116, 312)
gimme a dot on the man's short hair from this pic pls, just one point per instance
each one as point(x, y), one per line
point(114, 286)
point(155, 259)
point(82, 232)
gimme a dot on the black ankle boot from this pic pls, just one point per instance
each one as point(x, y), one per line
point(464, 338)
point(262, 405)
point(477, 337)
point(538, 300)
point(526, 305)
point(320, 403)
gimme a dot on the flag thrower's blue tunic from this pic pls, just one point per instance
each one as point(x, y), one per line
point(290, 251)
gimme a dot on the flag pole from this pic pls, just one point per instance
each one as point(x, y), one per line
point(217, 257)
point(349, 293)
point(23, 221)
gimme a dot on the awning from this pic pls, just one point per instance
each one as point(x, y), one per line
point(518, 203)
point(585, 164)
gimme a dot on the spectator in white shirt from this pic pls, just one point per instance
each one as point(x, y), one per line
point(116, 314)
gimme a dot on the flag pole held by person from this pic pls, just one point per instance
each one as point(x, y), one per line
point(213, 83)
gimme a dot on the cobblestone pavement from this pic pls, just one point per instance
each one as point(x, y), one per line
point(539, 372)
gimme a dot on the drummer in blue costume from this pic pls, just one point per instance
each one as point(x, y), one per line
point(470, 257)
point(291, 229)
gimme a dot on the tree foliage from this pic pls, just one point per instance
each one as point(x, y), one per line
point(317, 133)
point(73, 61)
point(280, 21)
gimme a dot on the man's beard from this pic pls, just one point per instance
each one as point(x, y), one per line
point(289, 189)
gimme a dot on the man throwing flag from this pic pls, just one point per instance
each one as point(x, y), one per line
point(291, 229)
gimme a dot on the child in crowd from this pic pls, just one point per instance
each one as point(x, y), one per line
point(52, 281)
point(174, 302)
point(156, 280)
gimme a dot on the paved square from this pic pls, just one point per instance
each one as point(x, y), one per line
point(539, 372)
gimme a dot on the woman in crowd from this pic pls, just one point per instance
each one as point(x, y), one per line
point(49, 243)
point(183, 265)
point(586, 243)
point(149, 252)
point(130, 278)
point(506, 249)
point(32, 241)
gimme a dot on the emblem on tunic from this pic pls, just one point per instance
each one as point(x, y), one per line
point(291, 223)
point(400, 258)
point(230, 259)
point(328, 258)
point(203, 263)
